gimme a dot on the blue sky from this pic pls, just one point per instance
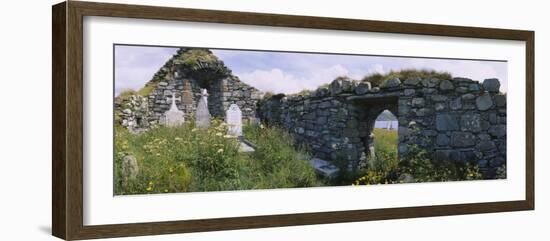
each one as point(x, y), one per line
point(284, 72)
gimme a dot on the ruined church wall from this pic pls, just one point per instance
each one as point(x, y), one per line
point(458, 120)
point(139, 112)
point(222, 93)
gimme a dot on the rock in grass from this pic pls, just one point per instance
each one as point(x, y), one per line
point(129, 168)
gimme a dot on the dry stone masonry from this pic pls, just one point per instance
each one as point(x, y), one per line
point(458, 120)
point(183, 77)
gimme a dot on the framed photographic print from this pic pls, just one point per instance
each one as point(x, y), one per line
point(170, 120)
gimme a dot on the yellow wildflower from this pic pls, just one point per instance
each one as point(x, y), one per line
point(219, 134)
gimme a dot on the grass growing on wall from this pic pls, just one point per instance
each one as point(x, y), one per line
point(189, 159)
point(377, 79)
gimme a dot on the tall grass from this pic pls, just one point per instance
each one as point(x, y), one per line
point(190, 159)
point(279, 162)
point(385, 146)
point(417, 164)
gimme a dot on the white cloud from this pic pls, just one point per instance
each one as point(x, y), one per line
point(376, 69)
point(279, 81)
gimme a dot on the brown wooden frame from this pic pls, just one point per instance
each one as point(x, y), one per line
point(67, 123)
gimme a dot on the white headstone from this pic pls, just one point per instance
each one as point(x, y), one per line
point(174, 116)
point(202, 117)
point(233, 118)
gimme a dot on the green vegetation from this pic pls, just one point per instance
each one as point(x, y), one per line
point(147, 89)
point(144, 92)
point(189, 159)
point(304, 92)
point(415, 166)
point(276, 162)
point(125, 94)
point(377, 79)
point(191, 57)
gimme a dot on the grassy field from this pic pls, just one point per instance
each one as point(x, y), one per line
point(189, 159)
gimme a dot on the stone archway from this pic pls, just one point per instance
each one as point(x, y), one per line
point(368, 110)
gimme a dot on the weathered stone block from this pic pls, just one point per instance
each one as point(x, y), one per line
point(446, 122)
point(409, 92)
point(470, 122)
point(468, 96)
point(491, 85)
point(446, 85)
point(484, 137)
point(403, 110)
point(430, 82)
point(462, 139)
point(500, 100)
point(336, 87)
point(484, 102)
point(474, 87)
point(439, 106)
point(447, 155)
point(429, 133)
point(423, 112)
point(439, 98)
point(455, 104)
point(325, 104)
point(412, 81)
point(391, 83)
point(497, 130)
point(363, 88)
point(486, 146)
point(442, 140)
point(418, 102)
point(462, 90)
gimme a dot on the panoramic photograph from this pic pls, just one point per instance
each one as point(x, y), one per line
point(190, 119)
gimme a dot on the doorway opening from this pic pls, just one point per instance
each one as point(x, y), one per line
point(384, 138)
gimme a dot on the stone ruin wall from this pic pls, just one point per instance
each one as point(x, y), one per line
point(458, 120)
point(221, 94)
point(141, 112)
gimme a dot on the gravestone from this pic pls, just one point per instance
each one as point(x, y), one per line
point(203, 115)
point(129, 168)
point(174, 116)
point(233, 118)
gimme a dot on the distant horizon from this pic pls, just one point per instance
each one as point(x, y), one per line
point(292, 72)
